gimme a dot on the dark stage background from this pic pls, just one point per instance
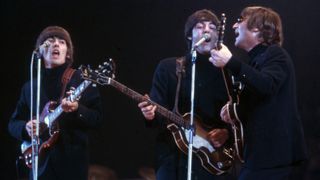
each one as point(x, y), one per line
point(137, 34)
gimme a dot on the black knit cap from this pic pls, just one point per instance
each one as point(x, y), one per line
point(59, 32)
point(199, 16)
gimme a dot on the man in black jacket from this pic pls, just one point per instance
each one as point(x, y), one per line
point(210, 96)
point(67, 158)
point(274, 140)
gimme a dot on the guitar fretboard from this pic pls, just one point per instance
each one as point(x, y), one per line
point(51, 117)
point(138, 97)
point(225, 73)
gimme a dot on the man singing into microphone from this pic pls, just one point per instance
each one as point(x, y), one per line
point(67, 158)
point(210, 96)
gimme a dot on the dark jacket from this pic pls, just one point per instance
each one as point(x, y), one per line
point(273, 131)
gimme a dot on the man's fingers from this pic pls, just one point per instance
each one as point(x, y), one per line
point(154, 108)
point(142, 104)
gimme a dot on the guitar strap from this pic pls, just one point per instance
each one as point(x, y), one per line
point(67, 74)
point(180, 72)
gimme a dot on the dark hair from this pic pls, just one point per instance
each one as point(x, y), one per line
point(196, 17)
point(57, 31)
point(267, 21)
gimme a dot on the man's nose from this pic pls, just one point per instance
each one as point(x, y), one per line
point(55, 42)
point(207, 29)
point(235, 25)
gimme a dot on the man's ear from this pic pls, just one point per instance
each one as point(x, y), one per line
point(256, 32)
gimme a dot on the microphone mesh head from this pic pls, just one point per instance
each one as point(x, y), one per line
point(207, 37)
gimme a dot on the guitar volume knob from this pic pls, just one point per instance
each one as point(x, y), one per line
point(220, 164)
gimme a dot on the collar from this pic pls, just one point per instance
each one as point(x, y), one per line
point(258, 49)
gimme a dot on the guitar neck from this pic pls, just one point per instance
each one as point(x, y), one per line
point(227, 82)
point(51, 117)
point(230, 87)
point(139, 98)
point(226, 76)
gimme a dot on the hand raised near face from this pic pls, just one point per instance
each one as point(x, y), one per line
point(221, 57)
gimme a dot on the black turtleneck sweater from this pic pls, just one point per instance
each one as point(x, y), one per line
point(68, 157)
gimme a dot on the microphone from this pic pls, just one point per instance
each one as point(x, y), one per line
point(206, 37)
point(45, 44)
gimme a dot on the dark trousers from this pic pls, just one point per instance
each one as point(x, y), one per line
point(281, 173)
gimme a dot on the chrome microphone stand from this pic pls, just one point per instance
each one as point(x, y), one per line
point(35, 137)
point(191, 130)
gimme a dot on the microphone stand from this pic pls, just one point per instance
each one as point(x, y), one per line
point(35, 137)
point(191, 129)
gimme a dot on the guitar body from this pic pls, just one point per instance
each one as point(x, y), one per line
point(233, 91)
point(44, 148)
point(237, 130)
point(215, 160)
point(51, 137)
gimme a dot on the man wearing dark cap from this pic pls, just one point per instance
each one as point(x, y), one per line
point(210, 96)
point(67, 158)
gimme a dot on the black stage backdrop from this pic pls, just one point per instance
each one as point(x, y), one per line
point(137, 34)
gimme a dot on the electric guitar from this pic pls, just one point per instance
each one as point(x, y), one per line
point(49, 135)
point(233, 90)
point(215, 160)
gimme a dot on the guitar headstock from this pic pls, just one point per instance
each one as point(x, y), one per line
point(221, 28)
point(101, 74)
